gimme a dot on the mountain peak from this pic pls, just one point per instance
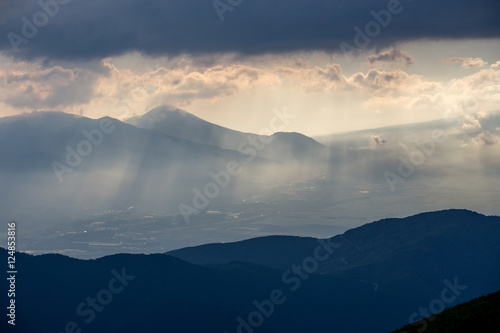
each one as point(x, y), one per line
point(159, 114)
point(166, 109)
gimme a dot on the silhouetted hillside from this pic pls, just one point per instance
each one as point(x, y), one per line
point(167, 294)
point(370, 279)
point(426, 245)
point(272, 251)
point(482, 314)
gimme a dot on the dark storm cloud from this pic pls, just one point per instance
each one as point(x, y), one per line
point(392, 56)
point(85, 29)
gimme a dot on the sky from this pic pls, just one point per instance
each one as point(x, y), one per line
point(336, 65)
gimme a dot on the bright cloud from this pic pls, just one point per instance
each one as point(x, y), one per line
point(466, 62)
point(113, 87)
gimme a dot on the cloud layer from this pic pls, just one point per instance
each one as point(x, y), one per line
point(69, 29)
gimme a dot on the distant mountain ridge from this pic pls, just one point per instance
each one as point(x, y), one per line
point(280, 146)
point(400, 246)
point(477, 122)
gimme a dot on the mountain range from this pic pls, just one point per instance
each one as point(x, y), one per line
point(64, 175)
point(280, 146)
point(62, 154)
point(374, 278)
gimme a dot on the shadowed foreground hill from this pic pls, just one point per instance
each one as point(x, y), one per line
point(420, 248)
point(479, 315)
point(160, 293)
point(370, 279)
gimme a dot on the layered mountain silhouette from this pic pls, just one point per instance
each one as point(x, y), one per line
point(386, 252)
point(369, 279)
